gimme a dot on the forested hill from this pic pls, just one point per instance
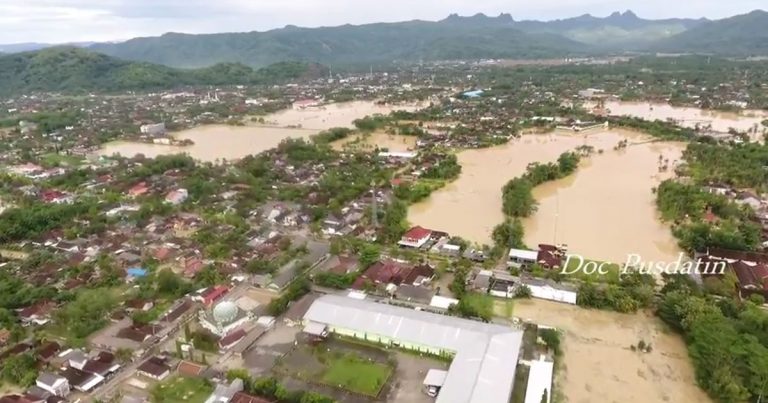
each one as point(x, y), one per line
point(75, 70)
point(477, 38)
point(742, 35)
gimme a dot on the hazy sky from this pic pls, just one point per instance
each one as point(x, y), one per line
point(58, 21)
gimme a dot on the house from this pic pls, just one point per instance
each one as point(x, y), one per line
point(192, 267)
point(551, 291)
point(101, 368)
point(383, 273)
point(139, 189)
point(224, 392)
point(156, 129)
point(415, 237)
point(81, 380)
point(242, 397)
point(332, 225)
point(5, 335)
point(188, 368)
point(74, 358)
point(47, 351)
point(154, 368)
point(210, 295)
point(340, 265)
point(231, 339)
point(522, 258)
point(305, 103)
point(52, 383)
point(285, 275)
point(37, 314)
point(748, 199)
point(750, 268)
point(177, 196)
point(139, 304)
point(550, 256)
point(420, 275)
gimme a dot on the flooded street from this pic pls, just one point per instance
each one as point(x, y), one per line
point(689, 117)
point(598, 364)
point(220, 142)
point(603, 211)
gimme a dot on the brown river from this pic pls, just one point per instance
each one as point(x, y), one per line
point(690, 117)
point(604, 211)
point(224, 142)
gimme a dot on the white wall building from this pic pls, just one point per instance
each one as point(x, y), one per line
point(484, 355)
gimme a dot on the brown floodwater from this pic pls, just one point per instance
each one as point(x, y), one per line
point(603, 211)
point(598, 363)
point(377, 139)
point(225, 142)
point(332, 115)
point(689, 117)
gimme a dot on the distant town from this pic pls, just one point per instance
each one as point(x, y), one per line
point(394, 235)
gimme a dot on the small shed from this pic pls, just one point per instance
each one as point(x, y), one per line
point(435, 377)
point(316, 329)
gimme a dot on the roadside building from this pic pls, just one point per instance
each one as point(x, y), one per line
point(484, 355)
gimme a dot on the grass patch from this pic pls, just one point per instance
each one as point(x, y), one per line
point(355, 374)
point(481, 303)
point(54, 159)
point(182, 389)
point(504, 307)
point(521, 383)
point(612, 276)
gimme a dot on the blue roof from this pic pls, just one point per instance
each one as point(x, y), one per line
point(136, 272)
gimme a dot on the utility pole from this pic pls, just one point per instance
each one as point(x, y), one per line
point(374, 206)
point(557, 215)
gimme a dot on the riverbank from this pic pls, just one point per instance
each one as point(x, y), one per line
point(598, 361)
point(604, 210)
point(219, 142)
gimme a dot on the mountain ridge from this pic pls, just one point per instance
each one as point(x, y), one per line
point(75, 70)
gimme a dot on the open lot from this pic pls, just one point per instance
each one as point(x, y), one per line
point(598, 361)
point(348, 370)
point(181, 389)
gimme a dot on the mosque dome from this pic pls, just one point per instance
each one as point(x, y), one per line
point(225, 312)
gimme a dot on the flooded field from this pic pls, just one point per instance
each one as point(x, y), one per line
point(220, 142)
point(377, 139)
point(601, 211)
point(598, 364)
point(213, 142)
point(333, 115)
point(689, 117)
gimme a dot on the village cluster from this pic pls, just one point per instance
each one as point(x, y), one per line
point(287, 274)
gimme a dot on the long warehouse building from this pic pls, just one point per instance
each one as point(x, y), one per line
point(484, 355)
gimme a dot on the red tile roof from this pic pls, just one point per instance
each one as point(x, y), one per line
point(232, 338)
point(242, 397)
point(416, 233)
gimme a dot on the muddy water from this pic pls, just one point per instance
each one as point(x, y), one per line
point(213, 142)
point(333, 115)
point(377, 139)
point(689, 117)
point(607, 209)
point(604, 211)
point(220, 142)
point(598, 364)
